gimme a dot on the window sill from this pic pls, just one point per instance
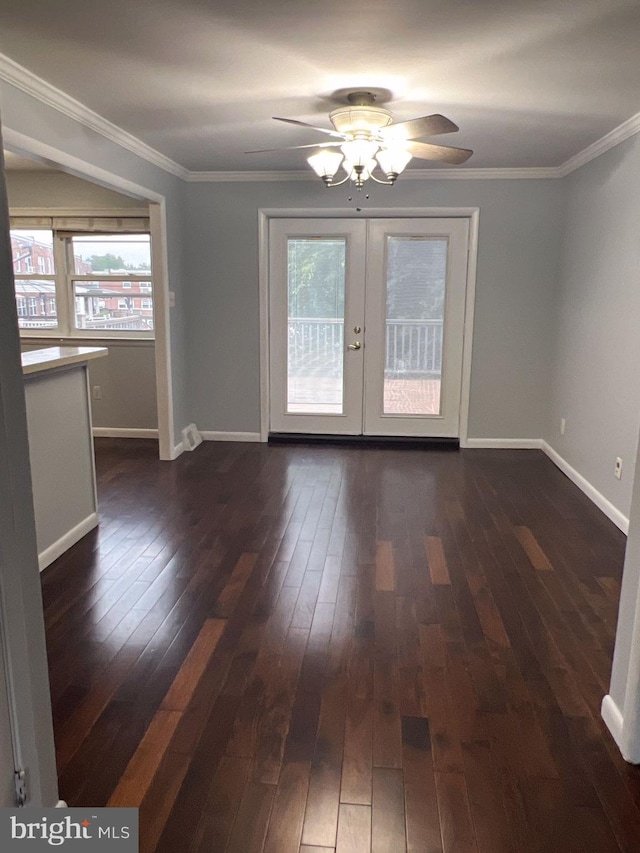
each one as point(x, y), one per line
point(50, 340)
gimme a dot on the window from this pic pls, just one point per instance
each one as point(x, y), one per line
point(35, 296)
point(79, 290)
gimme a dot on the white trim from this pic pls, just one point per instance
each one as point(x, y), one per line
point(23, 144)
point(265, 214)
point(469, 312)
point(124, 432)
point(435, 174)
point(23, 79)
point(89, 212)
point(177, 450)
point(613, 719)
point(46, 557)
point(502, 443)
point(162, 327)
point(215, 435)
point(147, 343)
point(214, 177)
point(619, 134)
point(372, 212)
point(621, 521)
point(263, 296)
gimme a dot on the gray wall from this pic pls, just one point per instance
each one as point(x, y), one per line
point(26, 115)
point(517, 268)
point(596, 357)
point(127, 380)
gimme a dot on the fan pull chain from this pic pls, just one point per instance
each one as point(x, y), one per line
point(350, 198)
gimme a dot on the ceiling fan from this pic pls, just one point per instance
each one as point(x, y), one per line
point(367, 138)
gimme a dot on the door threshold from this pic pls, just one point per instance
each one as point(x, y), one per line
point(399, 441)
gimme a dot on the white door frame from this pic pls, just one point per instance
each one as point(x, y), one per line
point(266, 214)
point(21, 144)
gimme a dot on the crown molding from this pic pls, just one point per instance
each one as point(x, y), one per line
point(536, 172)
point(44, 92)
point(507, 173)
point(619, 134)
point(235, 177)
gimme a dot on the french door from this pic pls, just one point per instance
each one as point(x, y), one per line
point(366, 325)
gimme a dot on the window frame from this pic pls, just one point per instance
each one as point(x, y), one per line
point(65, 280)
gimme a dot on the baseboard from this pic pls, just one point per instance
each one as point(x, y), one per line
point(123, 432)
point(614, 721)
point(503, 443)
point(178, 450)
point(214, 435)
point(46, 557)
point(613, 513)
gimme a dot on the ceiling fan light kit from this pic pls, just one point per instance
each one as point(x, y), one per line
point(368, 140)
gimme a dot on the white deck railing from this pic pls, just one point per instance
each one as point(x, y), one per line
point(413, 347)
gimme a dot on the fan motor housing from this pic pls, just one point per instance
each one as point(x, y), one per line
point(353, 119)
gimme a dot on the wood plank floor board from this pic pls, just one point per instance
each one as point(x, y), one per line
point(324, 649)
point(252, 819)
point(321, 813)
point(388, 832)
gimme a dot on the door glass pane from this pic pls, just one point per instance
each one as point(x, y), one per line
point(315, 352)
point(416, 279)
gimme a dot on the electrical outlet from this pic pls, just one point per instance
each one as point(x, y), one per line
point(617, 471)
point(563, 425)
point(97, 392)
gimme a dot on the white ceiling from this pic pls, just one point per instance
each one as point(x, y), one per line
point(529, 82)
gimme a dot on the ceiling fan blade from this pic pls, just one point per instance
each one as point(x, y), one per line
point(443, 153)
point(294, 147)
point(419, 127)
point(312, 126)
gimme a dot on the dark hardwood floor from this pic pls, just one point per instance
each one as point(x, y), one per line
point(296, 649)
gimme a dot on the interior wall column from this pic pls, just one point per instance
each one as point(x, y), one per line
point(621, 706)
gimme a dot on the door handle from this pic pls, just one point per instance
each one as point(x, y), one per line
point(357, 345)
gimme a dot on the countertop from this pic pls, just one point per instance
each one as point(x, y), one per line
point(38, 360)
